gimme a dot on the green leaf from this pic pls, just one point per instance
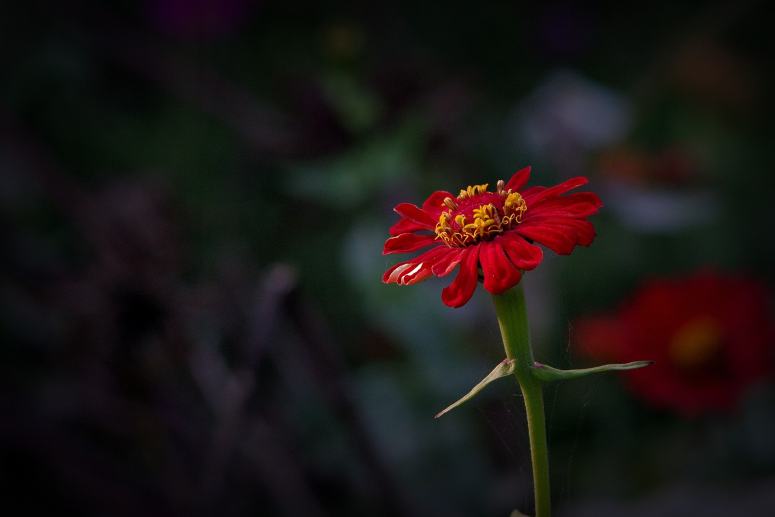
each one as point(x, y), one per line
point(546, 373)
point(504, 368)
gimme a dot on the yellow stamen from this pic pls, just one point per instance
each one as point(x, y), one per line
point(457, 231)
point(514, 205)
point(472, 190)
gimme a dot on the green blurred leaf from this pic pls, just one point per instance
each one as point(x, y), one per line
point(358, 108)
point(345, 180)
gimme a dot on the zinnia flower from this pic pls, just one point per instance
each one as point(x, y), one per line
point(494, 231)
point(711, 337)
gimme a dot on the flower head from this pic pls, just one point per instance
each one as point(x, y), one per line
point(491, 230)
point(711, 336)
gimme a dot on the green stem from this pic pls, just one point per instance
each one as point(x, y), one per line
point(512, 318)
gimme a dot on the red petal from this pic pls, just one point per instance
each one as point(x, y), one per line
point(585, 232)
point(433, 206)
point(534, 197)
point(519, 179)
point(404, 226)
point(446, 264)
point(581, 204)
point(531, 192)
point(416, 215)
point(462, 288)
point(407, 242)
point(499, 273)
point(522, 254)
point(435, 202)
point(560, 235)
point(414, 270)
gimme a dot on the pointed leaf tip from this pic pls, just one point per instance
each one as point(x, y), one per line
point(504, 369)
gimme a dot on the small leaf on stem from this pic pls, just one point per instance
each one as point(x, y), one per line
point(504, 369)
point(546, 373)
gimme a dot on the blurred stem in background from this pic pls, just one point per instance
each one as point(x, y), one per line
point(512, 318)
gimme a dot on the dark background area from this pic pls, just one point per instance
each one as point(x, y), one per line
point(193, 201)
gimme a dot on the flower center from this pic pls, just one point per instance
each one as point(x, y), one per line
point(476, 214)
point(695, 344)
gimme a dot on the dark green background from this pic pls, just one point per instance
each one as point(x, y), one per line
point(194, 201)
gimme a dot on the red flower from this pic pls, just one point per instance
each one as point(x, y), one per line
point(494, 230)
point(711, 337)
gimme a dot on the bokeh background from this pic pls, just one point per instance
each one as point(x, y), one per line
point(194, 197)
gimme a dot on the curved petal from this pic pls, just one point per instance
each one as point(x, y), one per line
point(580, 204)
point(446, 264)
point(434, 204)
point(585, 232)
point(414, 270)
point(560, 235)
point(522, 254)
point(499, 273)
point(407, 242)
point(462, 288)
point(533, 196)
point(519, 179)
point(416, 215)
point(405, 226)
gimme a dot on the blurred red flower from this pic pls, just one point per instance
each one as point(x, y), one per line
point(711, 336)
point(494, 230)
